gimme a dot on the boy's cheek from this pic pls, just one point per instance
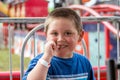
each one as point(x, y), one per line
point(51, 39)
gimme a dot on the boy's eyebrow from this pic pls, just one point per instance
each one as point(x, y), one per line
point(53, 30)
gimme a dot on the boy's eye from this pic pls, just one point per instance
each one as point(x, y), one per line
point(55, 33)
point(68, 33)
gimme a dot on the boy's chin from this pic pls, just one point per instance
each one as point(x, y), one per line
point(63, 54)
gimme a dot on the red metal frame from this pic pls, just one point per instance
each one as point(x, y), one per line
point(6, 75)
point(104, 8)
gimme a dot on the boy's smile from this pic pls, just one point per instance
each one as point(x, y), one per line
point(61, 46)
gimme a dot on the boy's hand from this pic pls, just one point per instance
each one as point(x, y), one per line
point(50, 48)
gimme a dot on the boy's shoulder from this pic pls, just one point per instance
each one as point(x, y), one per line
point(83, 59)
point(37, 57)
point(80, 56)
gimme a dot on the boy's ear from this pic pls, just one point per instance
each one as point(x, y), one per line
point(81, 35)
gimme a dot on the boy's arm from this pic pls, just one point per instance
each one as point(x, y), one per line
point(39, 72)
point(33, 66)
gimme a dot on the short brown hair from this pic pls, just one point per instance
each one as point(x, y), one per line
point(64, 13)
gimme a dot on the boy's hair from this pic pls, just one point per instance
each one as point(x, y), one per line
point(64, 13)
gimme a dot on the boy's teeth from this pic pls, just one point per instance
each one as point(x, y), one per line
point(59, 47)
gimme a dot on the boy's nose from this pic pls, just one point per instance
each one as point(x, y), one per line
point(60, 38)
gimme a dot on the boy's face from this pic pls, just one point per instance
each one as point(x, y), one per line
point(63, 32)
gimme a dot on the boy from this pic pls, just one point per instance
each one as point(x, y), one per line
point(63, 30)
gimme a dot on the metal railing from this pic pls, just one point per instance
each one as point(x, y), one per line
point(42, 19)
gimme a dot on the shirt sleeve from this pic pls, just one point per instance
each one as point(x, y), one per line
point(91, 72)
point(31, 65)
point(91, 75)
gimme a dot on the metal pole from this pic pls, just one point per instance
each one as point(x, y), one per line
point(28, 36)
point(10, 54)
point(118, 48)
point(98, 30)
point(42, 19)
point(84, 48)
point(35, 45)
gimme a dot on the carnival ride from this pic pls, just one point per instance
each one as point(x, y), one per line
point(103, 14)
